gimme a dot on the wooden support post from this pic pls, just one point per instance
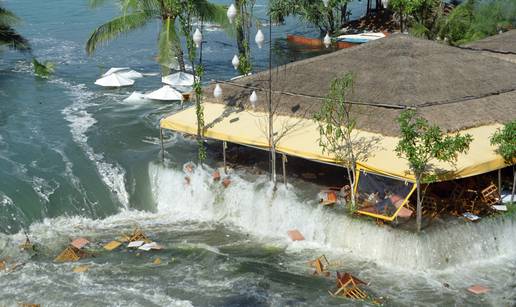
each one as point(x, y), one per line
point(224, 147)
point(500, 181)
point(284, 161)
point(419, 209)
point(162, 147)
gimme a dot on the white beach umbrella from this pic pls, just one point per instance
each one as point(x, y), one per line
point(179, 79)
point(114, 80)
point(125, 72)
point(136, 97)
point(165, 93)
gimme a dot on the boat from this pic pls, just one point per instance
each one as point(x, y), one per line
point(360, 38)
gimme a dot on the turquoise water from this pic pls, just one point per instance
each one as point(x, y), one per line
point(75, 160)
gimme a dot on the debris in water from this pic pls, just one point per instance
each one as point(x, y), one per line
point(149, 246)
point(27, 245)
point(328, 197)
point(112, 245)
point(2, 265)
point(470, 216)
point(500, 207)
point(321, 265)
point(348, 286)
point(28, 305)
point(81, 269)
point(295, 235)
point(74, 251)
point(187, 180)
point(478, 289)
point(226, 182)
point(135, 243)
point(188, 168)
point(138, 235)
point(79, 243)
point(157, 261)
point(216, 176)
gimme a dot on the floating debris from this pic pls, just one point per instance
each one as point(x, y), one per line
point(295, 235)
point(112, 245)
point(79, 243)
point(157, 261)
point(28, 305)
point(135, 244)
point(478, 289)
point(470, 216)
point(348, 286)
point(81, 269)
point(139, 235)
point(500, 207)
point(216, 176)
point(27, 245)
point(321, 265)
point(74, 252)
point(149, 246)
point(226, 182)
point(2, 265)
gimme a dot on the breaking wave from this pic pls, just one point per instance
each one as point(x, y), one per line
point(255, 208)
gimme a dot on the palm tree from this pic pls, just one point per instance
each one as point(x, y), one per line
point(328, 18)
point(137, 13)
point(8, 35)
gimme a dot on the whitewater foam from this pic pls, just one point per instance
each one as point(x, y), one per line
point(112, 174)
point(253, 207)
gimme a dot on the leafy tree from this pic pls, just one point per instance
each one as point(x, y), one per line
point(337, 130)
point(473, 20)
point(137, 13)
point(505, 139)
point(8, 35)
point(327, 18)
point(420, 143)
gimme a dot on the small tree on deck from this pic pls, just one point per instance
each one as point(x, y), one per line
point(505, 139)
point(422, 142)
point(336, 127)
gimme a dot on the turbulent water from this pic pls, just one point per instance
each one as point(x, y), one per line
point(75, 160)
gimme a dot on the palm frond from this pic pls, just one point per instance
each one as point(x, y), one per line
point(12, 39)
point(115, 27)
point(7, 18)
point(168, 44)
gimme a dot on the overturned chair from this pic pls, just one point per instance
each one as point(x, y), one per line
point(348, 286)
point(321, 266)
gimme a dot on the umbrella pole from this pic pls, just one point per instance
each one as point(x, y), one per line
point(224, 146)
point(162, 147)
point(284, 162)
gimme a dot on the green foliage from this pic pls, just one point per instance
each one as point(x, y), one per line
point(335, 122)
point(422, 142)
point(43, 69)
point(8, 35)
point(505, 139)
point(328, 19)
point(137, 13)
point(474, 20)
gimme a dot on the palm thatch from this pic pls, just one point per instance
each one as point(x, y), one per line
point(451, 87)
point(502, 46)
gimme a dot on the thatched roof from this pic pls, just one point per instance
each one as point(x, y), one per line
point(452, 87)
point(502, 46)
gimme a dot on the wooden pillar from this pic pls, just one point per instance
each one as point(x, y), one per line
point(224, 147)
point(162, 147)
point(419, 209)
point(500, 181)
point(284, 162)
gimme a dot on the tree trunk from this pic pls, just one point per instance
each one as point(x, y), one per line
point(513, 183)
point(368, 9)
point(401, 20)
point(180, 58)
point(419, 204)
point(240, 28)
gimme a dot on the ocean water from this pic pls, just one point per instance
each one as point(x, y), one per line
point(75, 160)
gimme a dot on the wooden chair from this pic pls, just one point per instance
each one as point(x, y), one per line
point(348, 286)
point(321, 266)
point(490, 195)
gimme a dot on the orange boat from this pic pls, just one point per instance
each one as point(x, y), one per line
point(315, 43)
